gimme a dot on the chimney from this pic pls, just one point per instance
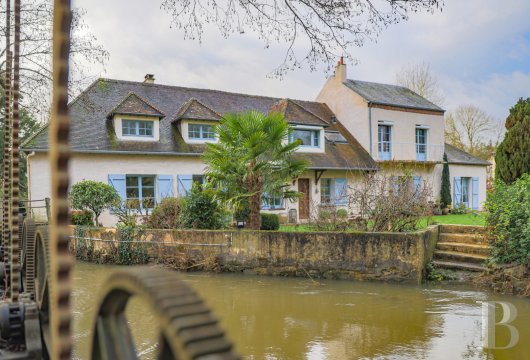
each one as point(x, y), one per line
point(149, 78)
point(340, 71)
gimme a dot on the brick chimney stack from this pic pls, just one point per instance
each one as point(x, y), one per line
point(149, 79)
point(340, 70)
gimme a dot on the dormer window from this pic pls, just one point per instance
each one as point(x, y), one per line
point(135, 119)
point(201, 132)
point(137, 128)
point(308, 138)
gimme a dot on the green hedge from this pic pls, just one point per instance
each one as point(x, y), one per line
point(508, 215)
point(270, 222)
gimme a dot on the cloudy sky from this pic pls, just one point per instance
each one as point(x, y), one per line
point(478, 49)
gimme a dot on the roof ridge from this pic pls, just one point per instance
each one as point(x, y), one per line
point(202, 89)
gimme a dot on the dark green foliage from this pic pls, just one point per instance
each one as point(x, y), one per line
point(82, 218)
point(93, 195)
point(445, 191)
point(129, 252)
point(200, 210)
point(270, 222)
point(166, 214)
point(342, 214)
point(512, 159)
point(508, 215)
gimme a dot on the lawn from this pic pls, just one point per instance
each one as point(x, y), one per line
point(464, 219)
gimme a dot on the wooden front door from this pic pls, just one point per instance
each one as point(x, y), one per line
point(303, 202)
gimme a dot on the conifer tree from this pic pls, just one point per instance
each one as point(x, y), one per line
point(445, 191)
point(512, 159)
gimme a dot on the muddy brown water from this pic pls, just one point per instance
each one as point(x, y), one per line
point(292, 318)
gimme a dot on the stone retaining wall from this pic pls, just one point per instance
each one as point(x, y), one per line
point(359, 256)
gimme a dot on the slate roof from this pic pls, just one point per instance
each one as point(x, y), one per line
point(457, 156)
point(297, 114)
point(132, 104)
point(391, 95)
point(193, 109)
point(93, 132)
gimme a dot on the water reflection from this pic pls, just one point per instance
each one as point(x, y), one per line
point(279, 318)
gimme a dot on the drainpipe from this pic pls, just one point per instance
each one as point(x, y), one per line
point(370, 124)
point(28, 174)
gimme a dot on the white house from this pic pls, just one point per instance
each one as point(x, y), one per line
point(401, 129)
point(146, 140)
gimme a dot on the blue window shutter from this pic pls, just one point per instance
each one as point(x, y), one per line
point(457, 191)
point(340, 191)
point(164, 187)
point(118, 182)
point(417, 183)
point(474, 192)
point(185, 183)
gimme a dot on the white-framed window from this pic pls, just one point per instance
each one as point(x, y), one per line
point(333, 191)
point(140, 191)
point(201, 132)
point(307, 137)
point(421, 144)
point(271, 201)
point(384, 144)
point(137, 128)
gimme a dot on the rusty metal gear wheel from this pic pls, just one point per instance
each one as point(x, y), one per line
point(29, 229)
point(188, 329)
point(41, 281)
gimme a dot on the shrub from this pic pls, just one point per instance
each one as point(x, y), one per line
point(166, 214)
point(460, 209)
point(508, 215)
point(342, 214)
point(390, 201)
point(95, 196)
point(82, 218)
point(200, 210)
point(329, 218)
point(130, 252)
point(270, 222)
point(445, 189)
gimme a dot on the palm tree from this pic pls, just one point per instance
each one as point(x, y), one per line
point(252, 157)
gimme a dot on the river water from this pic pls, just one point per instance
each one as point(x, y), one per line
point(292, 318)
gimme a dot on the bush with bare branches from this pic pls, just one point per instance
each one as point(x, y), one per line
point(386, 202)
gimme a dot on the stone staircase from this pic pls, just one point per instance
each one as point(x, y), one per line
point(461, 247)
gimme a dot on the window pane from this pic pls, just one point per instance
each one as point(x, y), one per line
point(131, 180)
point(148, 181)
point(316, 138)
point(306, 137)
point(207, 132)
point(194, 131)
point(325, 191)
point(148, 192)
point(128, 127)
point(132, 193)
point(303, 135)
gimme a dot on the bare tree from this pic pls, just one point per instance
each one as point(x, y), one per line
point(330, 28)
point(420, 79)
point(468, 128)
point(36, 50)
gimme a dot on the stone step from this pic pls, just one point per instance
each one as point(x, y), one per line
point(457, 266)
point(465, 248)
point(463, 229)
point(476, 239)
point(459, 257)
